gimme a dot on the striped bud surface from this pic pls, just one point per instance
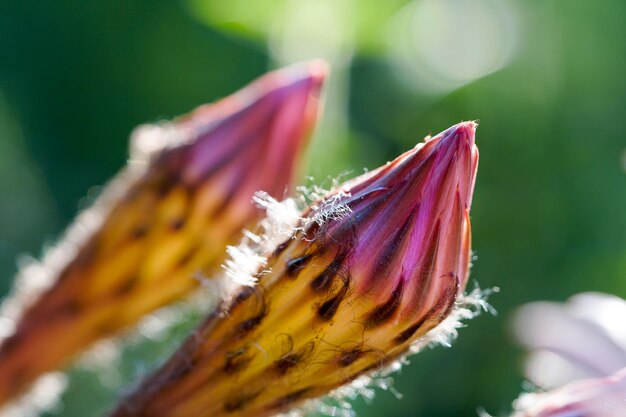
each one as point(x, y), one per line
point(346, 296)
point(185, 195)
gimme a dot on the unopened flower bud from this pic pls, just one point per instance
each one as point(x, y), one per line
point(372, 269)
point(169, 216)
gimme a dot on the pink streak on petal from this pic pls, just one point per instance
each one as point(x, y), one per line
point(412, 217)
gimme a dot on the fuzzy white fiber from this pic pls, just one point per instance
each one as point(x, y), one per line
point(337, 403)
point(283, 219)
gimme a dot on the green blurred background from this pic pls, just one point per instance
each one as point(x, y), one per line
point(546, 79)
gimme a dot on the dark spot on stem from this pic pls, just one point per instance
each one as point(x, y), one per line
point(390, 251)
point(289, 398)
point(348, 357)
point(177, 224)
point(254, 321)
point(280, 248)
point(239, 402)
point(184, 260)
point(243, 295)
point(236, 360)
point(71, 308)
point(410, 331)
point(383, 312)
point(428, 265)
point(126, 286)
point(447, 299)
point(248, 325)
point(166, 182)
point(329, 308)
point(294, 265)
point(292, 359)
point(139, 232)
point(180, 371)
point(223, 205)
point(323, 281)
point(438, 312)
point(286, 362)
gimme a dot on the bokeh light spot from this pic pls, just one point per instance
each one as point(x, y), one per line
point(444, 44)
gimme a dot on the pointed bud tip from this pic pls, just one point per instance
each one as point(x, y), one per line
point(409, 222)
point(316, 71)
point(263, 128)
point(454, 152)
point(459, 134)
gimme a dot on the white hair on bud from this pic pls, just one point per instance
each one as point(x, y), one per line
point(324, 206)
point(467, 306)
point(282, 221)
point(149, 139)
point(331, 208)
point(246, 261)
point(35, 277)
point(250, 257)
point(337, 403)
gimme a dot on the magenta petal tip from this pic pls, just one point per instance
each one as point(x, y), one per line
point(409, 224)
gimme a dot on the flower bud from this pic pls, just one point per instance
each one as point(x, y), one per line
point(185, 195)
point(372, 269)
